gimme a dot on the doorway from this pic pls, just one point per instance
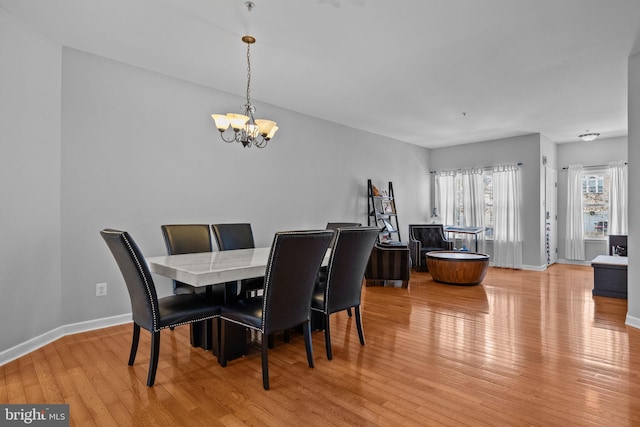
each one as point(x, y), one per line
point(551, 215)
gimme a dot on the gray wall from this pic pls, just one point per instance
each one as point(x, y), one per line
point(89, 143)
point(525, 149)
point(633, 308)
point(598, 152)
point(29, 182)
point(140, 150)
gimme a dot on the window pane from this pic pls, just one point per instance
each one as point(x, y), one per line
point(488, 205)
point(595, 201)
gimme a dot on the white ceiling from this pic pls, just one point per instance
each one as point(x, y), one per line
point(406, 69)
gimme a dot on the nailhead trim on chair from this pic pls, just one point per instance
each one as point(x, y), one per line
point(153, 307)
point(146, 283)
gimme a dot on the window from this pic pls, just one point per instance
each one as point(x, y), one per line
point(487, 178)
point(595, 202)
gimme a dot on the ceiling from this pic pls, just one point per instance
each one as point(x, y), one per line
point(432, 73)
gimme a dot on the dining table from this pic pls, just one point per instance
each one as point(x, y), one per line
point(219, 271)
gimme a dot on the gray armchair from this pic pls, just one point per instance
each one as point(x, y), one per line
point(425, 238)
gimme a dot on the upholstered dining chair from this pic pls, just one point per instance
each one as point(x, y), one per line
point(148, 311)
point(292, 268)
point(322, 275)
point(238, 236)
point(343, 288)
point(185, 239)
point(425, 238)
point(335, 225)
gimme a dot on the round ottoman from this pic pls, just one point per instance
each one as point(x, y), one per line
point(457, 268)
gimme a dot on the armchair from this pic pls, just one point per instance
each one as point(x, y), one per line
point(617, 244)
point(425, 238)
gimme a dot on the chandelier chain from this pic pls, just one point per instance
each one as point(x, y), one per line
point(248, 75)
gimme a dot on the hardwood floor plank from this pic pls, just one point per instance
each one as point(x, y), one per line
point(523, 348)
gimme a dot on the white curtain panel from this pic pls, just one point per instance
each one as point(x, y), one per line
point(574, 237)
point(507, 240)
point(446, 196)
point(473, 204)
point(618, 202)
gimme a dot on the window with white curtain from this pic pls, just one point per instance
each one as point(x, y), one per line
point(597, 204)
point(457, 205)
point(485, 198)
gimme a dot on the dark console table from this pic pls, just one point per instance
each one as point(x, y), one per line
point(610, 276)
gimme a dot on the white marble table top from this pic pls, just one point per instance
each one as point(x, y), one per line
point(208, 268)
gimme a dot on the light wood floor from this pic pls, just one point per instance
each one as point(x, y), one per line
point(521, 349)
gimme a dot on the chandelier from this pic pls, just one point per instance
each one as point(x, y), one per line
point(246, 129)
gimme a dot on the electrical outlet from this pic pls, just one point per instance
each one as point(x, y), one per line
point(101, 289)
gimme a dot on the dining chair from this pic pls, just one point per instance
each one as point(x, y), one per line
point(322, 275)
point(335, 225)
point(343, 287)
point(293, 264)
point(148, 311)
point(186, 239)
point(238, 236)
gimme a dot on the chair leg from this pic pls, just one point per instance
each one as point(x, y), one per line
point(265, 362)
point(349, 312)
point(306, 329)
point(359, 324)
point(327, 337)
point(134, 344)
point(153, 363)
point(222, 356)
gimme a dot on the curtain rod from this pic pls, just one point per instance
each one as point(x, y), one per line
point(591, 167)
point(482, 167)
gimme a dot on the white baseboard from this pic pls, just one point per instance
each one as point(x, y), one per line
point(526, 267)
point(574, 262)
point(57, 333)
point(632, 321)
point(534, 267)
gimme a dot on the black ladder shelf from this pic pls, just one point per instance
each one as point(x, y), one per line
point(382, 213)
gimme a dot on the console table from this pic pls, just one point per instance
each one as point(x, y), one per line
point(610, 276)
point(465, 230)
